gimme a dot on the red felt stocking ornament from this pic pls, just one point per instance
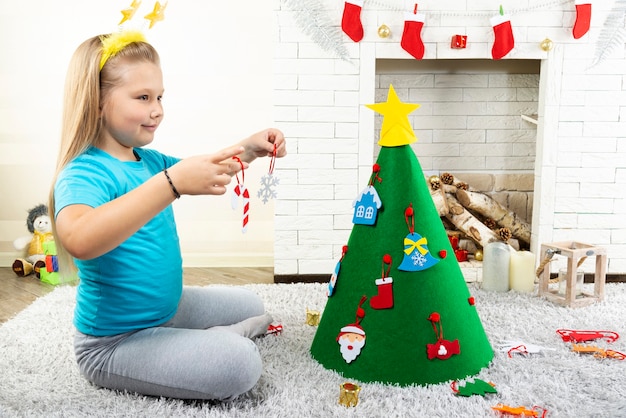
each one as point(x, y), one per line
point(412, 35)
point(351, 19)
point(504, 41)
point(583, 18)
point(384, 298)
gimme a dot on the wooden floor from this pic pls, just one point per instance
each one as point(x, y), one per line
point(16, 293)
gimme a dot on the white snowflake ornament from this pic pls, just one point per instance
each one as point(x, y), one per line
point(268, 188)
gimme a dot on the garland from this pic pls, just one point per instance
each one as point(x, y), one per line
point(400, 6)
point(312, 18)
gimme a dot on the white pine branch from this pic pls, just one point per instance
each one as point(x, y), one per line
point(312, 19)
point(613, 33)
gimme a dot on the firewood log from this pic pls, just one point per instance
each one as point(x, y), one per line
point(486, 206)
point(439, 199)
point(467, 223)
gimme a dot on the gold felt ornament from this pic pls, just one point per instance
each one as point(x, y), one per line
point(312, 317)
point(349, 394)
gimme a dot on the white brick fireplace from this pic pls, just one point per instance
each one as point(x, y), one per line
point(576, 150)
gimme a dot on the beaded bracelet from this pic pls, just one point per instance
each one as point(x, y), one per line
point(169, 180)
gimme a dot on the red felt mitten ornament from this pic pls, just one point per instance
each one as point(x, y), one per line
point(442, 349)
point(384, 298)
point(583, 18)
point(351, 19)
point(412, 35)
point(504, 40)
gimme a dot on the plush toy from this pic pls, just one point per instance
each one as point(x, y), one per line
point(38, 223)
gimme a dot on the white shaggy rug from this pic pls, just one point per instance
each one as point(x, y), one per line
point(39, 378)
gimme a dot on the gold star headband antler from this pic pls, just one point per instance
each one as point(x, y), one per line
point(117, 41)
point(157, 14)
point(130, 11)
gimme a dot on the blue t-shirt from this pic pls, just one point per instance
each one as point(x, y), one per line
point(138, 284)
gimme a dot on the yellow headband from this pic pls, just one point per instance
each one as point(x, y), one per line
point(117, 41)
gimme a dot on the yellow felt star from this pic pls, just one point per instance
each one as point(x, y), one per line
point(396, 129)
point(157, 14)
point(130, 11)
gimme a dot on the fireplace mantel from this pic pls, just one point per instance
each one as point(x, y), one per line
point(320, 105)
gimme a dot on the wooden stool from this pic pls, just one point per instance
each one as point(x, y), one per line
point(574, 251)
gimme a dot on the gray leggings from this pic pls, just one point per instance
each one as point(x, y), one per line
point(184, 358)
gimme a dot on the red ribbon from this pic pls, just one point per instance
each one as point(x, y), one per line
point(272, 161)
point(409, 219)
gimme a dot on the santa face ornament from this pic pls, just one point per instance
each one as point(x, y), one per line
point(351, 341)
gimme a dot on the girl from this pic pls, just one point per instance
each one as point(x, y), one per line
point(138, 328)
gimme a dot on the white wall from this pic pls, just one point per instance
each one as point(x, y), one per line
point(217, 60)
point(217, 64)
point(469, 119)
point(581, 145)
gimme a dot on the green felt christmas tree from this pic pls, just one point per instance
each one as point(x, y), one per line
point(399, 310)
point(477, 387)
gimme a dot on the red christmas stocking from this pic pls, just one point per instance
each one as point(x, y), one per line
point(384, 298)
point(504, 41)
point(351, 19)
point(411, 36)
point(583, 18)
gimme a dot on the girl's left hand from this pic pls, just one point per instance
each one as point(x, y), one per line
point(261, 144)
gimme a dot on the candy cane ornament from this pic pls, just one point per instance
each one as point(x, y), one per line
point(241, 190)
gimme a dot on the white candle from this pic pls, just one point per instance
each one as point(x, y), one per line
point(496, 266)
point(522, 271)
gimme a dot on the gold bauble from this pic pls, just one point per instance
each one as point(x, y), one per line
point(546, 44)
point(478, 255)
point(384, 31)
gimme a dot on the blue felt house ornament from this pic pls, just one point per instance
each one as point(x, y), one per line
point(366, 207)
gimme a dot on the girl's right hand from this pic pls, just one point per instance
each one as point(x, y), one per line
point(207, 174)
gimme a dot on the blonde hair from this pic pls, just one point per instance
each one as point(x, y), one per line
point(86, 87)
